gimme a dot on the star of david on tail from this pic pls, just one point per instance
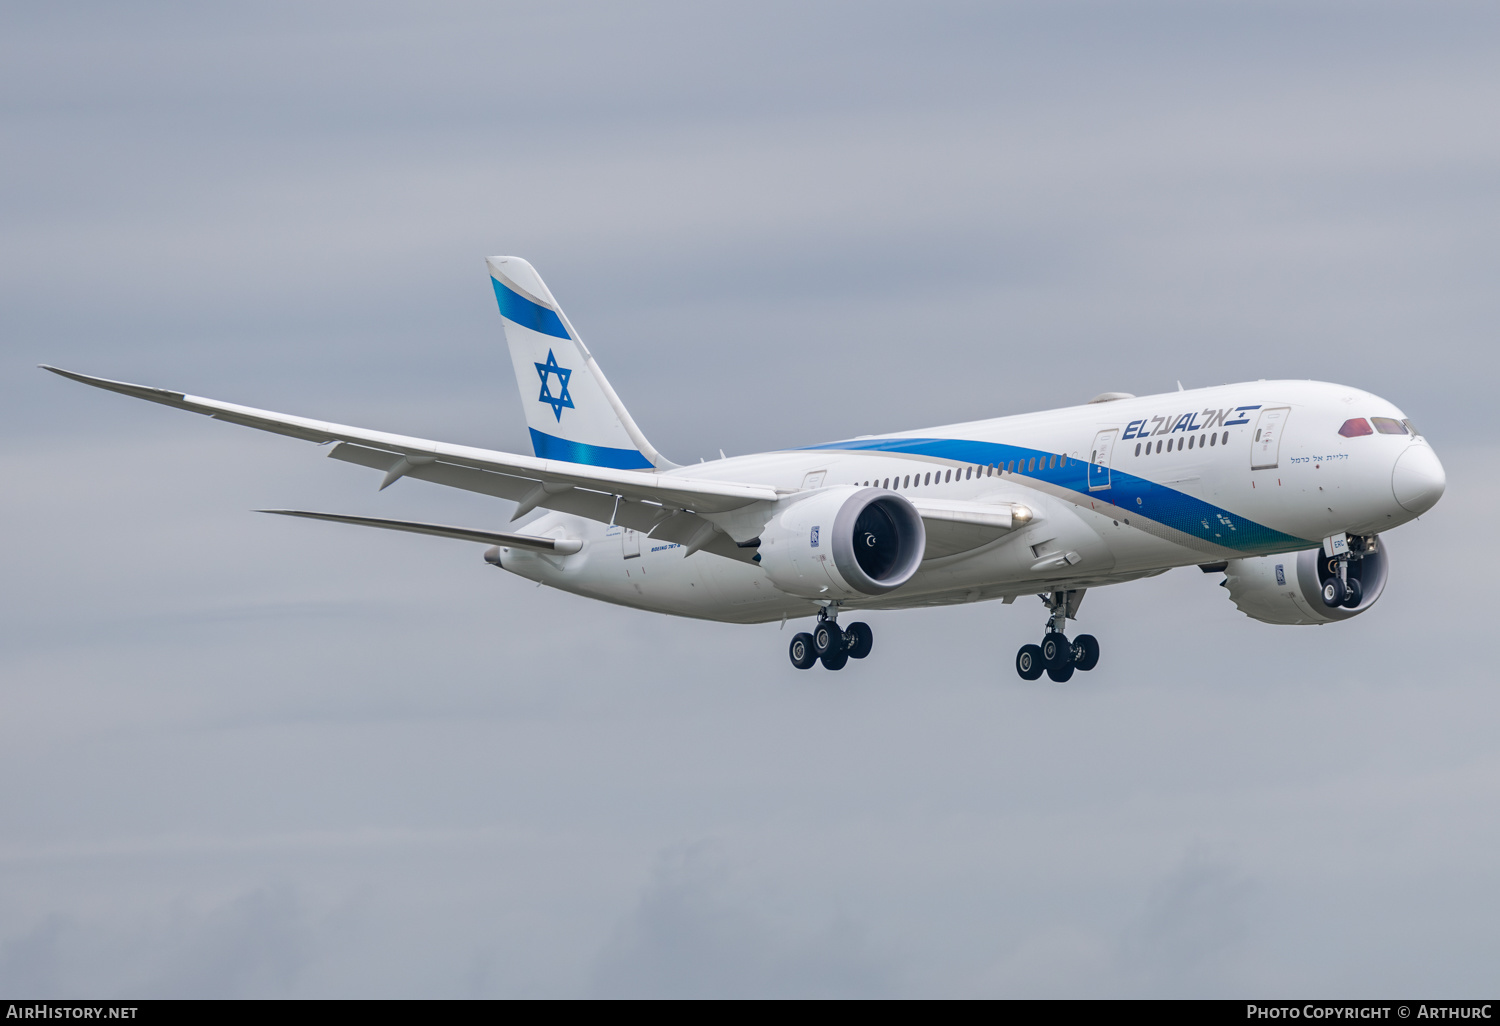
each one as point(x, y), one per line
point(562, 398)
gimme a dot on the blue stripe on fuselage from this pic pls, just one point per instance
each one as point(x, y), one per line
point(1166, 506)
point(550, 447)
point(516, 307)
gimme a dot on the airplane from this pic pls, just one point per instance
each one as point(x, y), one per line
point(1285, 487)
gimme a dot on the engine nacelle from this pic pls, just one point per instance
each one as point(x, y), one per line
point(843, 543)
point(1288, 589)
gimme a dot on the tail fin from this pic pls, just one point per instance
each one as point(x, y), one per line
point(572, 412)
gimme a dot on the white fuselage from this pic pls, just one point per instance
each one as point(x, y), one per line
point(1116, 490)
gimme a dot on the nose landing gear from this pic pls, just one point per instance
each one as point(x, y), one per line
point(1056, 655)
point(1342, 585)
point(830, 645)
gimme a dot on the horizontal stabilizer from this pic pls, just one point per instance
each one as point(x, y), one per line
point(561, 546)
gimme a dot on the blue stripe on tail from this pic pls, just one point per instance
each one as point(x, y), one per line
point(550, 447)
point(518, 308)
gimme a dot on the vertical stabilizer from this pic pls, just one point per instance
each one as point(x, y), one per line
point(573, 413)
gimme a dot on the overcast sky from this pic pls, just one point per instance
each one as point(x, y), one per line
point(241, 756)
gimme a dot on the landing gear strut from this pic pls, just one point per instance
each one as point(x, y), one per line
point(830, 645)
point(1056, 655)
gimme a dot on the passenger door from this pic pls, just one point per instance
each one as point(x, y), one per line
point(1265, 444)
point(1104, 446)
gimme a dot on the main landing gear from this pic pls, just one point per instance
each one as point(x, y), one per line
point(1056, 655)
point(830, 645)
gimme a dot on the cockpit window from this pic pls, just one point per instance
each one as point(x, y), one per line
point(1355, 426)
point(1388, 425)
point(1412, 428)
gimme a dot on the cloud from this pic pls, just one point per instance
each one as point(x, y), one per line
point(33, 962)
point(252, 946)
point(1190, 938)
point(689, 938)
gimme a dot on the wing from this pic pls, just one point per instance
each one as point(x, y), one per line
point(642, 500)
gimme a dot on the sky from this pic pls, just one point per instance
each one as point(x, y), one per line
point(247, 757)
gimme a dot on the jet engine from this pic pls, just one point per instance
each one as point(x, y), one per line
point(1288, 589)
point(843, 542)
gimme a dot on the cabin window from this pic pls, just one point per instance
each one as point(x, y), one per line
point(908, 482)
point(1213, 439)
point(1388, 425)
point(969, 474)
point(1158, 445)
point(1353, 428)
point(1031, 465)
point(1190, 442)
point(1064, 461)
point(927, 479)
point(887, 483)
point(1225, 439)
point(1137, 448)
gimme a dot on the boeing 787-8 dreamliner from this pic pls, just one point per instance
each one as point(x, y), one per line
point(1284, 487)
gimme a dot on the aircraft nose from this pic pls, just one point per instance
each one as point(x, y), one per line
point(1418, 479)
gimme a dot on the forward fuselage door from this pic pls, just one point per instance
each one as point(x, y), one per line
point(1104, 446)
point(1265, 445)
